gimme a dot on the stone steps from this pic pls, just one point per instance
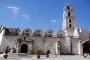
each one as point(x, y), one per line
point(15, 56)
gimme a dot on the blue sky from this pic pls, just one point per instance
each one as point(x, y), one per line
point(42, 14)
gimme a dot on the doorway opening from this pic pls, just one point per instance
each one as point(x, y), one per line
point(24, 48)
point(86, 47)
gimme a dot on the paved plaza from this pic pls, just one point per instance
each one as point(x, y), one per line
point(52, 57)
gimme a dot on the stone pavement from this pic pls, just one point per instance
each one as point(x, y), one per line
point(52, 57)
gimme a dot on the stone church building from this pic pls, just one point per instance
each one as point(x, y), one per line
point(69, 40)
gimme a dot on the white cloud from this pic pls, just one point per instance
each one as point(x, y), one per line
point(54, 21)
point(25, 16)
point(14, 9)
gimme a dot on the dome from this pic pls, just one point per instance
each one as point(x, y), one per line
point(60, 33)
point(49, 33)
point(38, 32)
point(27, 32)
point(16, 31)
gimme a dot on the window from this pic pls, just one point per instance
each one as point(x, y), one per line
point(16, 34)
point(27, 34)
point(49, 31)
point(70, 25)
point(68, 7)
point(16, 30)
point(61, 35)
point(38, 31)
point(68, 13)
point(49, 35)
point(7, 32)
point(38, 35)
point(69, 21)
point(24, 38)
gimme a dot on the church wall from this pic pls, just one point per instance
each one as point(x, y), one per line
point(49, 43)
point(8, 41)
point(40, 43)
point(64, 48)
point(44, 44)
point(75, 46)
point(1, 37)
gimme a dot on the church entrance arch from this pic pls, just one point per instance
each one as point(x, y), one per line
point(24, 48)
point(86, 47)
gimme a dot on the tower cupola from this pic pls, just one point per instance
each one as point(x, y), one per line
point(68, 17)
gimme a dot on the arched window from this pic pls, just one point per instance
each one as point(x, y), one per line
point(70, 21)
point(38, 35)
point(68, 13)
point(68, 7)
point(70, 25)
point(60, 35)
point(27, 34)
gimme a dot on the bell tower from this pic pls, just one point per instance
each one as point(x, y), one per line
point(68, 17)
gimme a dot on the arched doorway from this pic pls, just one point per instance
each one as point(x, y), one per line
point(86, 47)
point(24, 48)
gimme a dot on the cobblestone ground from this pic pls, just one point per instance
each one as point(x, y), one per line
point(52, 57)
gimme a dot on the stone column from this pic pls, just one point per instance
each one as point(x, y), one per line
point(68, 45)
point(58, 47)
point(17, 48)
point(80, 48)
point(30, 47)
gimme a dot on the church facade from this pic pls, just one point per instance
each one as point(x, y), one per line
point(69, 40)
